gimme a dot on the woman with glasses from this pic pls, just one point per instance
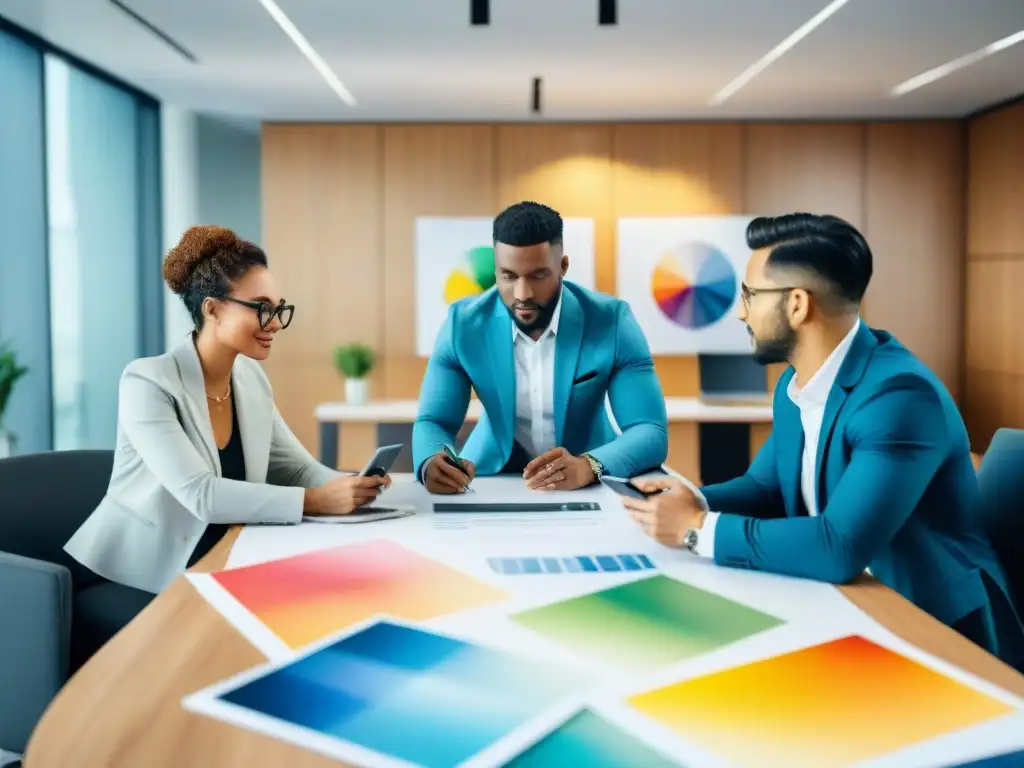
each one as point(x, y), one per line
point(200, 444)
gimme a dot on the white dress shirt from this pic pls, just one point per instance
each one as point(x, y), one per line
point(535, 387)
point(811, 400)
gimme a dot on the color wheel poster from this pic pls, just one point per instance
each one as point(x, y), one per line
point(455, 260)
point(681, 277)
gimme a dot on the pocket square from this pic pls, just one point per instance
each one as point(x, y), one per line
point(585, 377)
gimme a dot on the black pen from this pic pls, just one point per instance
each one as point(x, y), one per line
point(457, 463)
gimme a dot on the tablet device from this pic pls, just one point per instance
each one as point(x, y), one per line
point(383, 460)
point(361, 515)
point(624, 488)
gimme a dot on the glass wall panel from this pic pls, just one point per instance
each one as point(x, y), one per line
point(95, 309)
point(24, 305)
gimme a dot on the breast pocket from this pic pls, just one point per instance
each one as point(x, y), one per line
point(588, 391)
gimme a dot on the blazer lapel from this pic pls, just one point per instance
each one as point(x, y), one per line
point(194, 397)
point(850, 373)
point(255, 420)
point(567, 355)
point(790, 445)
point(499, 347)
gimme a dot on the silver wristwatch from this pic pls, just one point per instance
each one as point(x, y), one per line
point(690, 540)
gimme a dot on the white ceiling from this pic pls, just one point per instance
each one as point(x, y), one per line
point(421, 60)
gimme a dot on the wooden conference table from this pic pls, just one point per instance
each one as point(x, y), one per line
point(123, 708)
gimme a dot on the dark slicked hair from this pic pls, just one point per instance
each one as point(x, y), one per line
point(827, 249)
point(528, 223)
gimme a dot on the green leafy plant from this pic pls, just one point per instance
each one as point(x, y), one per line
point(354, 360)
point(10, 372)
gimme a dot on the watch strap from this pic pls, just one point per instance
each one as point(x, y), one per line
point(595, 466)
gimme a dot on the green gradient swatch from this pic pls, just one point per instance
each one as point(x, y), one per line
point(646, 624)
point(589, 740)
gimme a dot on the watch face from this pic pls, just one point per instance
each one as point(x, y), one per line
point(690, 540)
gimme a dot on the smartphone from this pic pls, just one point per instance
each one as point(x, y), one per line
point(624, 488)
point(382, 460)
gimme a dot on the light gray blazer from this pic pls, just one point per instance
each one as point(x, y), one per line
point(167, 486)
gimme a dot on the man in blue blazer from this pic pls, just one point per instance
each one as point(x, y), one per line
point(540, 353)
point(868, 465)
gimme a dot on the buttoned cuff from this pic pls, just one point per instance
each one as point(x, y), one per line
point(706, 535)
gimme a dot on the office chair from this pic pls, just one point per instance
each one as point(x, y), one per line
point(44, 498)
point(1001, 487)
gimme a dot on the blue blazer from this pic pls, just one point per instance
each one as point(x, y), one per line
point(599, 349)
point(896, 489)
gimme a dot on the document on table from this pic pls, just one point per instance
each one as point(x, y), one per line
point(259, 543)
point(655, 650)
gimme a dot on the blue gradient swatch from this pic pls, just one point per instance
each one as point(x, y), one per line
point(409, 693)
point(1005, 760)
point(510, 566)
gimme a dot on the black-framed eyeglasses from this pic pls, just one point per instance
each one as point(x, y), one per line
point(747, 293)
point(267, 311)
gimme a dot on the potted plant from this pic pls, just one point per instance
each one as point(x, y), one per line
point(10, 372)
point(354, 361)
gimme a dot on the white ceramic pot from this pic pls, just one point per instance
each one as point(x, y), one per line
point(6, 443)
point(357, 391)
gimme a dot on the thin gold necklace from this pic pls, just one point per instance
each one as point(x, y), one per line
point(219, 400)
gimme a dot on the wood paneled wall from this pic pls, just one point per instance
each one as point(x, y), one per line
point(994, 354)
point(340, 203)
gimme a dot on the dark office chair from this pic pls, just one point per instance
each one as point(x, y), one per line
point(1001, 485)
point(44, 498)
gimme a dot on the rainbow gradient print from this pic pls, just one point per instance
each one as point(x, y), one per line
point(310, 596)
point(826, 706)
point(408, 693)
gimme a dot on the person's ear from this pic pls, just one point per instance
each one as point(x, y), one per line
point(210, 309)
point(565, 264)
point(799, 307)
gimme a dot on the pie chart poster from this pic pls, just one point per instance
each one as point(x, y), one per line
point(455, 260)
point(682, 277)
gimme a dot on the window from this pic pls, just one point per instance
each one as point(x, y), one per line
point(24, 305)
point(81, 293)
point(98, 320)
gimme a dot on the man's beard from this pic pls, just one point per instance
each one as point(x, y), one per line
point(544, 314)
point(778, 348)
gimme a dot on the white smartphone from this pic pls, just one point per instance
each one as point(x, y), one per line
point(383, 460)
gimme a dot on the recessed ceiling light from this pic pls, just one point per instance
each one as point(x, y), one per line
point(308, 51)
point(950, 67)
point(762, 64)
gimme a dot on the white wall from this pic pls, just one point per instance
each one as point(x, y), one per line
point(229, 176)
point(180, 166)
point(211, 175)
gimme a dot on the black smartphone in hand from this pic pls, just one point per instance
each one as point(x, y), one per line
point(623, 487)
point(382, 460)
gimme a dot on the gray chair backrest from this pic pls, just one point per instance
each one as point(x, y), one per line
point(45, 497)
point(1001, 486)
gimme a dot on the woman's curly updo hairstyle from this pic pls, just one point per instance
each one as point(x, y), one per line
point(206, 262)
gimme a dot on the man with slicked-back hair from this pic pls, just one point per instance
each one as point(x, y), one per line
point(868, 465)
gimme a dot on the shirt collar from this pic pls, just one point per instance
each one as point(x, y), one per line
point(815, 392)
point(552, 326)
